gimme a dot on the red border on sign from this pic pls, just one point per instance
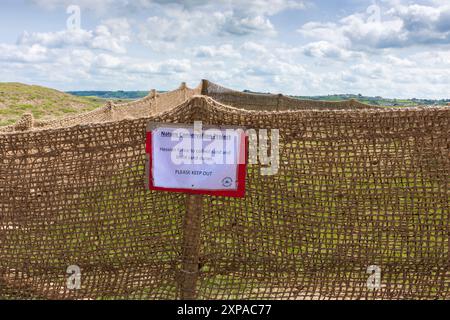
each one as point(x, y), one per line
point(241, 173)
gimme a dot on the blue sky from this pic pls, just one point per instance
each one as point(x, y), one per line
point(392, 48)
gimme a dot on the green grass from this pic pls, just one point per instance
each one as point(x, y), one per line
point(44, 103)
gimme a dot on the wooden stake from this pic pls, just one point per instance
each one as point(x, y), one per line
point(191, 246)
point(205, 84)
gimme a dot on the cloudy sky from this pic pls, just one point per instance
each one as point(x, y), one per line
point(392, 48)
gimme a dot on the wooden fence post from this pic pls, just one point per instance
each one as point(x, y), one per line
point(154, 95)
point(191, 246)
point(183, 87)
point(279, 101)
point(110, 108)
point(192, 240)
point(205, 87)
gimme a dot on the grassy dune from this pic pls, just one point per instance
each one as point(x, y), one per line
point(44, 103)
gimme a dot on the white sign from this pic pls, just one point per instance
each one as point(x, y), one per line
point(191, 159)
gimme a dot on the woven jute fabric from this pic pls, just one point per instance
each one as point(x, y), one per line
point(355, 188)
point(271, 102)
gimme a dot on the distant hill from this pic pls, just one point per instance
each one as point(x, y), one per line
point(44, 103)
point(126, 95)
point(378, 101)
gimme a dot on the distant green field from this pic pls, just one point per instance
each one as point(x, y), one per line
point(379, 101)
point(126, 95)
point(44, 103)
point(376, 101)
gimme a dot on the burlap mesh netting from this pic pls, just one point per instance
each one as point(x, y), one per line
point(355, 188)
point(270, 102)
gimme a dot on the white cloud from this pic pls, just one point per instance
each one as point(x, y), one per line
point(230, 23)
point(253, 47)
point(400, 62)
point(273, 67)
point(23, 54)
point(98, 5)
point(173, 66)
point(162, 33)
point(57, 39)
point(111, 35)
point(259, 7)
point(370, 70)
point(107, 61)
point(325, 49)
point(400, 26)
point(222, 51)
point(270, 7)
point(235, 17)
point(328, 31)
point(124, 65)
point(165, 31)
